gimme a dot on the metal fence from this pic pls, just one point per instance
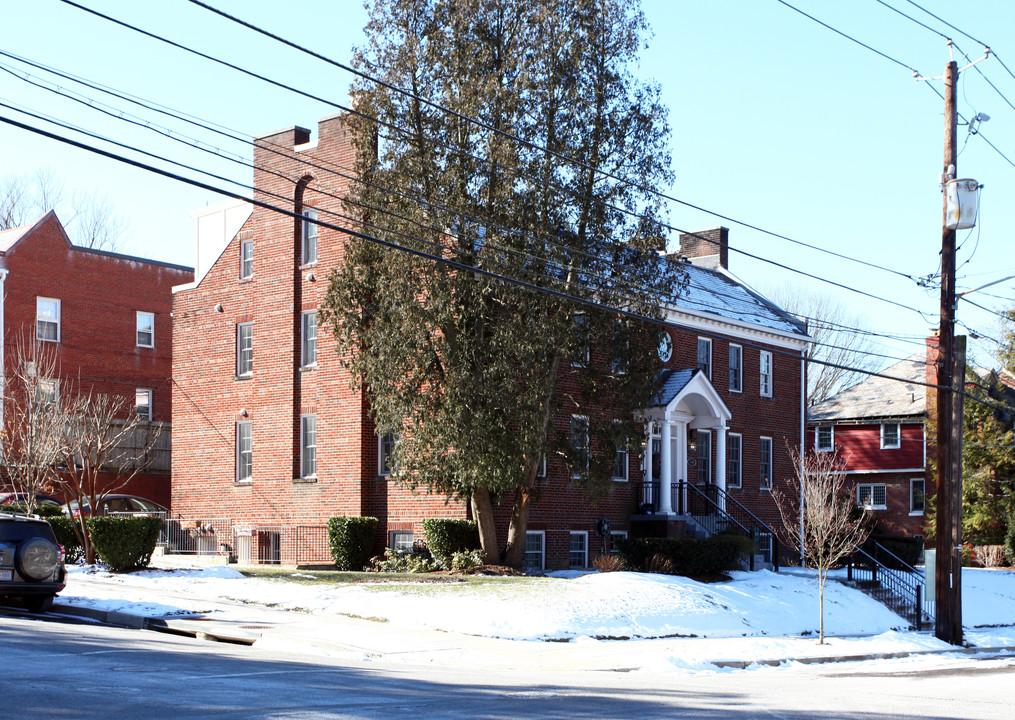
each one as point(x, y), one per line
point(246, 544)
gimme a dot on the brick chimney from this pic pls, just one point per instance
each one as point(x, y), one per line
point(707, 248)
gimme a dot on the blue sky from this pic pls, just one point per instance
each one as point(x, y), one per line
point(777, 122)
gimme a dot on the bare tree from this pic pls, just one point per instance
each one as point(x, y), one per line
point(107, 445)
point(830, 526)
point(33, 422)
point(88, 217)
point(841, 337)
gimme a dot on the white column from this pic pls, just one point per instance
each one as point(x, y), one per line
point(646, 491)
point(682, 460)
point(666, 479)
point(720, 461)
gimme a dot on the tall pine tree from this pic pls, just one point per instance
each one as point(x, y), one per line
point(538, 166)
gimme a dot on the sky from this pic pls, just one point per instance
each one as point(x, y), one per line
point(777, 123)
point(754, 616)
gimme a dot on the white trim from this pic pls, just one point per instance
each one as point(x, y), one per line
point(817, 439)
point(310, 217)
point(138, 331)
point(239, 349)
point(151, 399)
point(740, 368)
point(912, 512)
point(872, 506)
point(303, 446)
point(708, 322)
point(542, 548)
point(900, 471)
point(739, 459)
point(584, 534)
point(248, 242)
point(898, 436)
point(771, 463)
point(236, 473)
point(381, 471)
point(58, 321)
point(303, 338)
point(708, 364)
point(761, 374)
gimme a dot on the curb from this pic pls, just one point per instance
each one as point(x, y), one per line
point(743, 664)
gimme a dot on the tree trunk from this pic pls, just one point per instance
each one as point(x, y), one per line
point(821, 608)
point(514, 556)
point(482, 510)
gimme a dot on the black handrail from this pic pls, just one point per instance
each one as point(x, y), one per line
point(753, 526)
point(904, 584)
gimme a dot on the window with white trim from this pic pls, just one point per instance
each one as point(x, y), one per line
point(309, 345)
point(872, 496)
point(308, 446)
point(145, 329)
point(247, 259)
point(385, 452)
point(736, 368)
point(47, 392)
point(143, 403)
point(579, 444)
point(705, 356)
point(578, 557)
point(401, 541)
point(535, 549)
point(734, 464)
point(244, 452)
point(824, 438)
point(620, 463)
point(703, 441)
point(244, 349)
point(891, 437)
point(309, 244)
point(765, 462)
point(616, 535)
point(47, 319)
point(917, 498)
point(765, 372)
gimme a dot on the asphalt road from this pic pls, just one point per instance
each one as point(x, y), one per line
point(60, 670)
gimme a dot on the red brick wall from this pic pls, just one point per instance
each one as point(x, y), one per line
point(100, 294)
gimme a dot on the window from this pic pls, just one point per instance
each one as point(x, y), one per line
point(579, 555)
point(47, 319)
point(145, 329)
point(579, 445)
point(309, 236)
point(620, 463)
point(244, 452)
point(766, 373)
point(385, 452)
point(244, 349)
point(47, 392)
point(917, 499)
point(824, 438)
point(736, 368)
point(308, 446)
point(246, 259)
point(541, 471)
point(309, 352)
point(621, 348)
point(765, 461)
point(535, 549)
point(401, 541)
point(890, 436)
point(871, 496)
point(143, 403)
point(616, 535)
point(704, 456)
point(733, 462)
point(705, 356)
point(580, 349)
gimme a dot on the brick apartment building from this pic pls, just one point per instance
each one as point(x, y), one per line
point(878, 427)
point(106, 315)
point(269, 441)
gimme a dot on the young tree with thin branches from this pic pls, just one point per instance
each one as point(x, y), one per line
point(829, 527)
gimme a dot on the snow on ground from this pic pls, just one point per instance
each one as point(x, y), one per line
point(598, 605)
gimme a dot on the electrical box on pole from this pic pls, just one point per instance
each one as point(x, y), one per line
point(961, 204)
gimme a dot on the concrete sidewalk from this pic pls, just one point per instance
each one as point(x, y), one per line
point(364, 639)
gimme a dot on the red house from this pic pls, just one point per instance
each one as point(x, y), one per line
point(270, 441)
point(878, 428)
point(108, 317)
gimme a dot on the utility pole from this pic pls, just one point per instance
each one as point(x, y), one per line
point(951, 381)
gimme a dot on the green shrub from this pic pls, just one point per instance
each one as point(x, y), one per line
point(395, 561)
point(63, 528)
point(466, 559)
point(445, 537)
point(124, 543)
point(686, 556)
point(1009, 541)
point(351, 539)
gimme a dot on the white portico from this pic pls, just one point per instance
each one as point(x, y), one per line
point(687, 402)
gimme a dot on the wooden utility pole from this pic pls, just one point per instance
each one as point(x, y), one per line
point(951, 381)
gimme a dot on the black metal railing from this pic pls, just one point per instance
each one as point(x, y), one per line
point(900, 586)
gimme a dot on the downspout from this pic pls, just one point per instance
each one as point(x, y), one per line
point(803, 442)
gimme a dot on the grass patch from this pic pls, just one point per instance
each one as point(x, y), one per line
point(304, 576)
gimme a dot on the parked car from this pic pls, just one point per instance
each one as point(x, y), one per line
point(115, 504)
point(20, 499)
point(31, 561)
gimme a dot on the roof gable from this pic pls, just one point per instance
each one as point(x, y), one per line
point(879, 397)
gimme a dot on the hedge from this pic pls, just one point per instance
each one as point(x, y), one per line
point(446, 536)
point(351, 539)
point(63, 528)
point(124, 543)
point(689, 556)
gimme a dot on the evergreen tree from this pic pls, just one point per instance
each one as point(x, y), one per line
point(540, 173)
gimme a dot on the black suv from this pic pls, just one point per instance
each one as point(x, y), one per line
point(31, 561)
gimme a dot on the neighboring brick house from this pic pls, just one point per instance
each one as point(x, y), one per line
point(878, 427)
point(270, 442)
point(107, 315)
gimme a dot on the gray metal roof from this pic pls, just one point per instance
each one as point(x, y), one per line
point(879, 397)
point(671, 382)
